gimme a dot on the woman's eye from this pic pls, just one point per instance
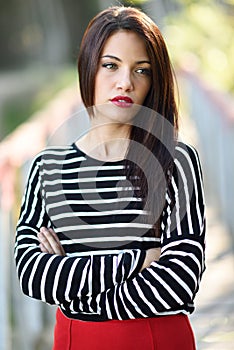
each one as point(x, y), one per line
point(144, 71)
point(109, 65)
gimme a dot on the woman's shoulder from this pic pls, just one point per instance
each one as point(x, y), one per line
point(186, 150)
point(187, 156)
point(57, 152)
point(52, 155)
point(182, 147)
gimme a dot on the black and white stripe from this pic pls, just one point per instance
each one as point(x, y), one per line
point(98, 219)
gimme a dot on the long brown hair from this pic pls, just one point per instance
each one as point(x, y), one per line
point(160, 99)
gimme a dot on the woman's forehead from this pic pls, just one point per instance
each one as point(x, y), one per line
point(125, 42)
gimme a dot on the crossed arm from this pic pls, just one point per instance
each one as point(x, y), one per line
point(50, 243)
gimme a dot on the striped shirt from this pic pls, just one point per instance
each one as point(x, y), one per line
point(98, 218)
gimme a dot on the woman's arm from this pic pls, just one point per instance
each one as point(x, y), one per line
point(50, 243)
point(170, 284)
point(54, 278)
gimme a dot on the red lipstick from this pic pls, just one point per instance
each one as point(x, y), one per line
point(122, 101)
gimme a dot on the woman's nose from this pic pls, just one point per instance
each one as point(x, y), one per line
point(124, 81)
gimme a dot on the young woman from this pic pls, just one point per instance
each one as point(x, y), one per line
point(112, 227)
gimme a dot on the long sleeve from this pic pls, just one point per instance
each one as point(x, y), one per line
point(169, 285)
point(55, 279)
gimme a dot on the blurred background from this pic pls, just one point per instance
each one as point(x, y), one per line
point(39, 43)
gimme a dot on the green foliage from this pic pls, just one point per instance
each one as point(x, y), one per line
point(134, 2)
point(201, 37)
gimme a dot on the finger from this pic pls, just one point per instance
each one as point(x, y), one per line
point(43, 248)
point(48, 231)
point(49, 240)
point(59, 246)
point(53, 243)
point(43, 239)
point(54, 235)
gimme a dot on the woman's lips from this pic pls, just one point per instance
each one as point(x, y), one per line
point(122, 101)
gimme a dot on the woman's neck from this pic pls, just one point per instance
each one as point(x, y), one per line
point(107, 142)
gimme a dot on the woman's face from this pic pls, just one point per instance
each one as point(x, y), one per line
point(123, 77)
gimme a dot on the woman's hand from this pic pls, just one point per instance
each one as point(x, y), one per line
point(152, 254)
point(49, 242)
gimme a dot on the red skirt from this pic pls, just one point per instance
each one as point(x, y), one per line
point(161, 333)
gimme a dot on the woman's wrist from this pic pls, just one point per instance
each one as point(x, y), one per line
point(151, 255)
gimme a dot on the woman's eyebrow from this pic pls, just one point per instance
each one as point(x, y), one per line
point(143, 61)
point(118, 59)
point(111, 56)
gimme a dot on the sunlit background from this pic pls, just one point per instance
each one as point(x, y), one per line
point(39, 43)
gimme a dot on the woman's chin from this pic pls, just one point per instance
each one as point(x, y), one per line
point(116, 113)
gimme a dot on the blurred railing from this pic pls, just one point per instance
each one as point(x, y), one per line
point(213, 115)
point(25, 324)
